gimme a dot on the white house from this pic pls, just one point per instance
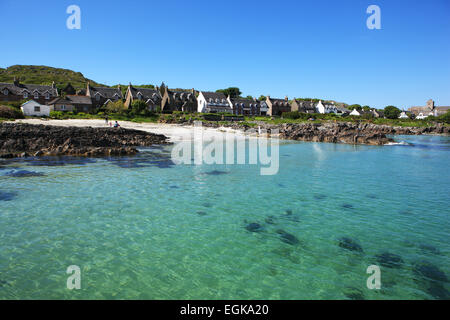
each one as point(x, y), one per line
point(355, 113)
point(326, 108)
point(403, 115)
point(33, 108)
point(213, 102)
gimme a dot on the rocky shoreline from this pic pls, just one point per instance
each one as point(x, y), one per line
point(338, 132)
point(22, 140)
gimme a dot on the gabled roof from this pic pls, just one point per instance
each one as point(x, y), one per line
point(107, 93)
point(213, 95)
point(147, 93)
point(19, 88)
point(79, 99)
point(245, 102)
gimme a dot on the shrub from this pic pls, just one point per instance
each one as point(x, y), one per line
point(10, 113)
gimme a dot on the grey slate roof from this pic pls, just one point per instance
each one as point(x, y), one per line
point(213, 95)
point(21, 87)
point(147, 93)
point(245, 103)
point(107, 93)
point(72, 99)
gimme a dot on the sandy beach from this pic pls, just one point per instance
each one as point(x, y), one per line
point(175, 132)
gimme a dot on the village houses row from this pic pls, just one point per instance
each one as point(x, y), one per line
point(44, 99)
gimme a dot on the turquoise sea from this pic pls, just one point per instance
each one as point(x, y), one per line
point(144, 228)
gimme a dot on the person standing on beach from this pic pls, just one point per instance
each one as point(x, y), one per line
point(106, 120)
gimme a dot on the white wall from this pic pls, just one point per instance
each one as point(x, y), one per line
point(28, 109)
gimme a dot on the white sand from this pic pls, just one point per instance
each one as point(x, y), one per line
point(173, 131)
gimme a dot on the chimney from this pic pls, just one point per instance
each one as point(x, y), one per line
point(53, 84)
point(16, 82)
point(286, 98)
point(119, 88)
point(193, 90)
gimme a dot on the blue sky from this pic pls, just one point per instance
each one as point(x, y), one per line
point(297, 48)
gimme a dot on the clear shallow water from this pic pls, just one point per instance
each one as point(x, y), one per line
point(143, 228)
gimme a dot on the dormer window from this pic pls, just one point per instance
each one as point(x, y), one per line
point(210, 99)
point(36, 95)
point(97, 97)
point(47, 96)
point(139, 95)
point(25, 95)
point(5, 92)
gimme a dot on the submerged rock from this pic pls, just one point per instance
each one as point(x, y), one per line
point(24, 174)
point(350, 244)
point(270, 220)
point(216, 173)
point(389, 260)
point(201, 213)
point(288, 237)
point(429, 271)
point(437, 290)
point(347, 206)
point(254, 227)
point(429, 248)
point(7, 196)
point(353, 293)
point(319, 196)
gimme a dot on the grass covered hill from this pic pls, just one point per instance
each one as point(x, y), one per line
point(45, 75)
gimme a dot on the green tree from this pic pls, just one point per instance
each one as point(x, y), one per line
point(366, 108)
point(262, 98)
point(354, 106)
point(391, 112)
point(116, 107)
point(233, 92)
point(139, 107)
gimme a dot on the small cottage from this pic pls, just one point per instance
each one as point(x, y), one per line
point(35, 109)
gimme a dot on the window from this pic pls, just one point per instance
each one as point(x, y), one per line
point(47, 96)
point(36, 95)
point(63, 107)
point(5, 92)
point(25, 95)
point(37, 109)
point(97, 97)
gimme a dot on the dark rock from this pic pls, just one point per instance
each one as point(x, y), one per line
point(350, 244)
point(353, 293)
point(429, 248)
point(216, 172)
point(288, 237)
point(270, 220)
point(347, 206)
point(40, 140)
point(24, 174)
point(254, 227)
point(389, 260)
point(437, 290)
point(319, 196)
point(429, 271)
point(7, 196)
point(201, 213)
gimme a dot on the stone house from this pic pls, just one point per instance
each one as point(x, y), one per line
point(152, 97)
point(72, 103)
point(303, 106)
point(178, 100)
point(429, 110)
point(102, 95)
point(17, 91)
point(246, 107)
point(277, 106)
